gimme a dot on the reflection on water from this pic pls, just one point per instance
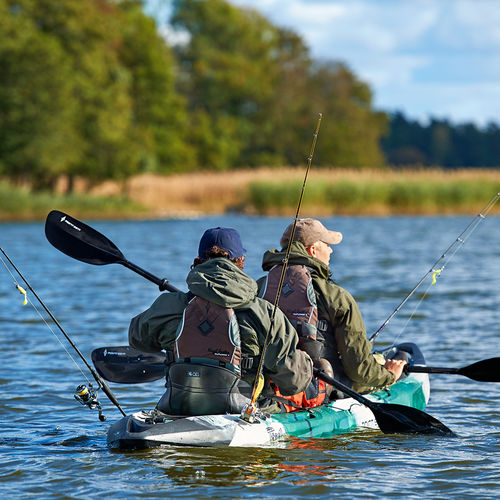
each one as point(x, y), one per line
point(51, 446)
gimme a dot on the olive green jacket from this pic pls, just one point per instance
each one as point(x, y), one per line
point(222, 282)
point(346, 345)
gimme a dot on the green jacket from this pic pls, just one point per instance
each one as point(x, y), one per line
point(346, 345)
point(222, 282)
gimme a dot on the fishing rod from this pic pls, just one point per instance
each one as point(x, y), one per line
point(250, 410)
point(435, 270)
point(87, 396)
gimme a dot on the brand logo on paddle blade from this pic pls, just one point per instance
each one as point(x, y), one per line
point(63, 219)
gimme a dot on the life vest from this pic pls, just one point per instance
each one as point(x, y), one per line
point(209, 332)
point(297, 298)
point(314, 395)
point(205, 375)
point(298, 303)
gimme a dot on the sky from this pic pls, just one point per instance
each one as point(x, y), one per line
point(425, 58)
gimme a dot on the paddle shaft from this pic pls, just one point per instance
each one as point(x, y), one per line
point(163, 284)
point(429, 369)
point(342, 387)
point(487, 370)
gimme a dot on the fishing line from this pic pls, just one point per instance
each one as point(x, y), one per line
point(438, 267)
point(85, 395)
point(28, 300)
point(249, 411)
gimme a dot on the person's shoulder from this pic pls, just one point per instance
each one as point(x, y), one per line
point(334, 292)
point(170, 300)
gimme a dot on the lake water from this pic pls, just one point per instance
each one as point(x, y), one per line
point(51, 447)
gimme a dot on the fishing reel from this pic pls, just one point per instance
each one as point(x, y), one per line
point(251, 413)
point(86, 396)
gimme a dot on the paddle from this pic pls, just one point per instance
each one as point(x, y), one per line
point(487, 370)
point(126, 365)
point(74, 238)
point(393, 418)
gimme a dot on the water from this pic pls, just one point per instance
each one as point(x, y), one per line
point(51, 447)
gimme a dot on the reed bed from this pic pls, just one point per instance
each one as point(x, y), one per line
point(380, 193)
point(266, 191)
point(328, 191)
point(17, 204)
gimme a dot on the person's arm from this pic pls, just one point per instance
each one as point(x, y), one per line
point(155, 328)
point(353, 346)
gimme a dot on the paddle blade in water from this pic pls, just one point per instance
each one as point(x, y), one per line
point(393, 418)
point(126, 365)
point(76, 239)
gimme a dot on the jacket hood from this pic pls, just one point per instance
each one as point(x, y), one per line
point(298, 255)
point(222, 282)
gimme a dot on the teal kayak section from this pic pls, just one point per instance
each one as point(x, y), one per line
point(407, 392)
point(326, 421)
point(320, 422)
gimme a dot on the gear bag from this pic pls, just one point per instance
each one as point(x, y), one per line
point(205, 377)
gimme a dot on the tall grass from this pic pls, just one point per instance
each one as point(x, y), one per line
point(267, 191)
point(22, 204)
point(375, 196)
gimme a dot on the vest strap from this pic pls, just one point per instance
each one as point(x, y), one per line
point(209, 362)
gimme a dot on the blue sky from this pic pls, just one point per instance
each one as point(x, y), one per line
point(437, 58)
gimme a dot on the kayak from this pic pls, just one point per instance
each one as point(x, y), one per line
point(148, 429)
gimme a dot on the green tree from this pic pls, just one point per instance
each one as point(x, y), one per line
point(35, 100)
point(87, 89)
point(352, 130)
point(159, 116)
point(239, 65)
point(228, 76)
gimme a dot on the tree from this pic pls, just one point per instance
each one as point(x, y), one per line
point(159, 116)
point(35, 99)
point(352, 130)
point(238, 68)
point(88, 89)
point(227, 75)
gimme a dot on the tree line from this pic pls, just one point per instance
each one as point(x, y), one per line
point(440, 144)
point(91, 89)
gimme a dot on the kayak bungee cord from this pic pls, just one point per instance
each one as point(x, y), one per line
point(438, 266)
point(87, 396)
point(249, 412)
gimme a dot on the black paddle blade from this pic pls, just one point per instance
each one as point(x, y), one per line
point(76, 239)
point(393, 418)
point(126, 365)
point(487, 370)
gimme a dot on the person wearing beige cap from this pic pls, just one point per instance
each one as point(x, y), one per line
point(339, 333)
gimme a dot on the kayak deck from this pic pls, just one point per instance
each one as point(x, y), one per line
point(147, 429)
point(142, 430)
point(345, 415)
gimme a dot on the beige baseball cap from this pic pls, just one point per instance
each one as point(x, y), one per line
point(309, 231)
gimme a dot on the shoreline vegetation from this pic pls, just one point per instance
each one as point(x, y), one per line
point(263, 191)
